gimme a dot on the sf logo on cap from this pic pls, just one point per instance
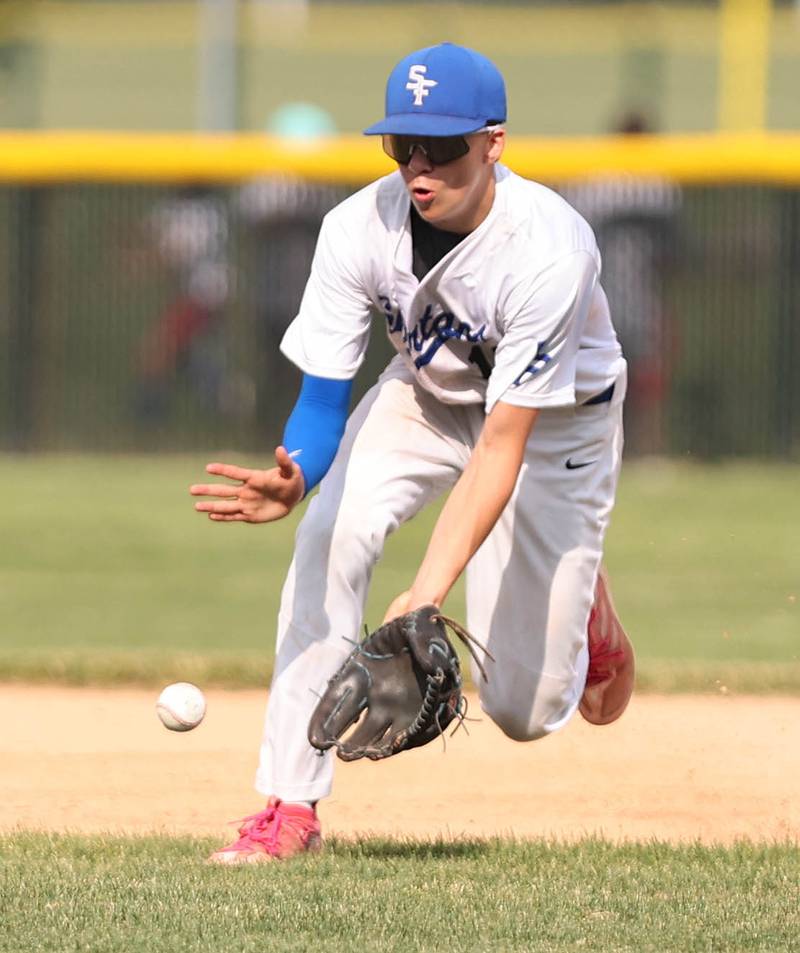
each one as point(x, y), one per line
point(418, 85)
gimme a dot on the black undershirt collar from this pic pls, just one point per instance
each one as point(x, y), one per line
point(430, 244)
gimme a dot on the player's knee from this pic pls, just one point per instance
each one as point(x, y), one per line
point(517, 725)
point(528, 716)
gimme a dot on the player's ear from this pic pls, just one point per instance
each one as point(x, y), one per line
point(495, 145)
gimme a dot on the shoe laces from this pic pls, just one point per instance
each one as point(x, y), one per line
point(263, 828)
point(601, 662)
point(601, 656)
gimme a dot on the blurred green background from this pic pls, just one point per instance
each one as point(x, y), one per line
point(108, 574)
point(571, 67)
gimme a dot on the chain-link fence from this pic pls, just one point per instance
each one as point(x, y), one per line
point(149, 317)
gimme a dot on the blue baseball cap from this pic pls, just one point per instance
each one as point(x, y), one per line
point(443, 90)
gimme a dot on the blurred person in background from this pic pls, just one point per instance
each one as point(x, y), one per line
point(281, 216)
point(635, 220)
point(193, 233)
point(188, 232)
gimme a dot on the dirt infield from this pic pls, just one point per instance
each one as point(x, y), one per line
point(677, 768)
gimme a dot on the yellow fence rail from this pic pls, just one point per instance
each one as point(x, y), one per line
point(52, 157)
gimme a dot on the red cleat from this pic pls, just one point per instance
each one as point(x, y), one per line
point(279, 831)
point(612, 666)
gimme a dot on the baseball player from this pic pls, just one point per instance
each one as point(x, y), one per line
point(506, 390)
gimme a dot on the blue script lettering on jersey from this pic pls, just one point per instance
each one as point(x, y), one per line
point(431, 331)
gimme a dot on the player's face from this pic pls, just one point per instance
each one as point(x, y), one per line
point(455, 196)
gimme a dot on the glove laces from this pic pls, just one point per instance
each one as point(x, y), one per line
point(468, 639)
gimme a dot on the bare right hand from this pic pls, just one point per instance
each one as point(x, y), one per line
point(260, 496)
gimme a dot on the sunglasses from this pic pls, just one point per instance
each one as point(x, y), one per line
point(439, 150)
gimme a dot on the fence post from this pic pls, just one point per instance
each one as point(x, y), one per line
point(23, 296)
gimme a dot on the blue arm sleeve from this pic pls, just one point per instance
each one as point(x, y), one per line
point(315, 426)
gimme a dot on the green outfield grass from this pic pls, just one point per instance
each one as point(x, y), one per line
point(107, 574)
point(65, 893)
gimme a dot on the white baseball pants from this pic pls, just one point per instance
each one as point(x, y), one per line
point(529, 587)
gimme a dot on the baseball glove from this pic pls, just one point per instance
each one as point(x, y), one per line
point(404, 684)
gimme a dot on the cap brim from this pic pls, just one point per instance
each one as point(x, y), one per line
point(427, 124)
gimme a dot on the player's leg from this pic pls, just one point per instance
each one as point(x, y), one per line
point(531, 586)
point(395, 457)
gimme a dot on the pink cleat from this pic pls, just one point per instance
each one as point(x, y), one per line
point(281, 830)
point(612, 666)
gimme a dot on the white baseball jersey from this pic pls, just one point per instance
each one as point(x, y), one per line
point(514, 312)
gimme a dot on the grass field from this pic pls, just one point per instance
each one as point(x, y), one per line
point(109, 575)
point(146, 894)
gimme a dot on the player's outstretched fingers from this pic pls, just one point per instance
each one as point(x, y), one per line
point(214, 489)
point(230, 471)
point(258, 496)
point(222, 508)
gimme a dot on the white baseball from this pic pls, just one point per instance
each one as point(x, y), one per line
point(181, 706)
